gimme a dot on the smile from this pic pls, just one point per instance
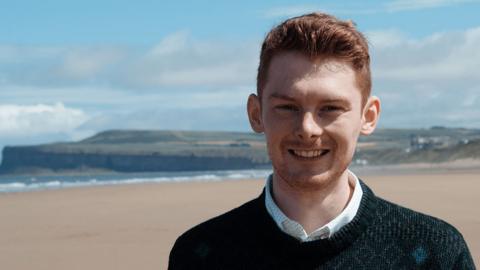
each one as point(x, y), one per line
point(308, 153)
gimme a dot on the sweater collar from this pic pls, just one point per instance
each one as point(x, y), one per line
point(267, 230)
point(295, 229)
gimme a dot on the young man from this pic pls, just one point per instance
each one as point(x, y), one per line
point(313, 101)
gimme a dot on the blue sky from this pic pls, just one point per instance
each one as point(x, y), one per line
point(69, 69)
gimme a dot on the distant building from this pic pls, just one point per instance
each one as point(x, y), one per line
point(359, 161)
point(464, 141)
point(424, 143)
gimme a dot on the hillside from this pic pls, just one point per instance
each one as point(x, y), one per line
point(151, 150)
point(141, 151)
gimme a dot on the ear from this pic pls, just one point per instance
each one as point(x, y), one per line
point(254, 111)
point(371, 114)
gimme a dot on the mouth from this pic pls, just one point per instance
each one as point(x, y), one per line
point(308, 154)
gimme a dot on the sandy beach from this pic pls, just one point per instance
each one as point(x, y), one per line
point(134, 226)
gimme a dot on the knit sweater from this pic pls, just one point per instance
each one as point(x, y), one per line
point(382, 235)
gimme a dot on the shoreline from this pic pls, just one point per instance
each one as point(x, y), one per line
point(29, 183)
point(454, 165)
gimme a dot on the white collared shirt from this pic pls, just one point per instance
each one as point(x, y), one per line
point(295, 229)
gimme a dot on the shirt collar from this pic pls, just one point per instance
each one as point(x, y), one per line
point(295, 229)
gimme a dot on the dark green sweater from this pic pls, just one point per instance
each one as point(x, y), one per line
point(381, 236)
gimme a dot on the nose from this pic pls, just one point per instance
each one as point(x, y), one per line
point(308, 127)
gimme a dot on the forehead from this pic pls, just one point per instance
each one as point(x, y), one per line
point(294, 72)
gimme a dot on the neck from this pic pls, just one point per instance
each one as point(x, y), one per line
point(316, 207)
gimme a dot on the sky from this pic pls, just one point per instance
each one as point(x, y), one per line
point(70, 69)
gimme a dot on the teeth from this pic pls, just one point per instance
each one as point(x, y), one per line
point(308, 154)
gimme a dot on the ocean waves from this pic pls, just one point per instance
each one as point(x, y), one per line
point(9, 184)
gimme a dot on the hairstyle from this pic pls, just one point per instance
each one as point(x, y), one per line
point(315, 35)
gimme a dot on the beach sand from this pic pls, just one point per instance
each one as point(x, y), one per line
point(134, 226)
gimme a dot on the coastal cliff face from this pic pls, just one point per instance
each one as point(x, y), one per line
point(140, 151)
point(18, 159)
point(157, 151)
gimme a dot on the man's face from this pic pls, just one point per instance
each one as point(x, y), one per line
point(311, 113)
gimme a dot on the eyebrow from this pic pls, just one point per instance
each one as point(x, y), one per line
point(281, 96)
point(326, 100)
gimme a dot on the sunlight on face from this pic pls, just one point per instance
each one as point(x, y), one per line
point(311, 115)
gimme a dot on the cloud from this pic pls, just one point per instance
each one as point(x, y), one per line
point(439, 57)
point(177, 60)
point(173, 43)
point(385, 38)
point(429, 81)
point(233, 118)
point(422, 82)
point(57, 66)
point(88, 64)
point(39, 120)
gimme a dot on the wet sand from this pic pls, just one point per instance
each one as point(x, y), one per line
point(134, 226)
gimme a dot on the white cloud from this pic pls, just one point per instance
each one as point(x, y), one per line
point(88, 64)
point(428, 81)
point(24, 53)
point(181, 61)
point(471, 99)
point(421, 81)
point(439, 57)
point(233, 118)
point(385, 38)
point(38, 120)
point(228, 73)
point(177, 60)
point(107, 100)
point(173, 43)
point(59, 66)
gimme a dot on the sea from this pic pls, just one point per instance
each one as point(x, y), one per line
point(23, 183)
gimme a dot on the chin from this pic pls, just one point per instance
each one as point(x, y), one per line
point(309, 181)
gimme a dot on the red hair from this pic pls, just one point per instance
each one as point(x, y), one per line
point(316, 35)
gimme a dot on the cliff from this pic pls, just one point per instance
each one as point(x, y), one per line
point(141, 151)
point(151, 151)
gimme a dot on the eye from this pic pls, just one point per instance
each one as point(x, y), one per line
point(330, 108)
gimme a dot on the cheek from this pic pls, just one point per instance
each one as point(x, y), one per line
point(344, 134)
point(274, 151)
point(276, 131)
point(276, 124)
